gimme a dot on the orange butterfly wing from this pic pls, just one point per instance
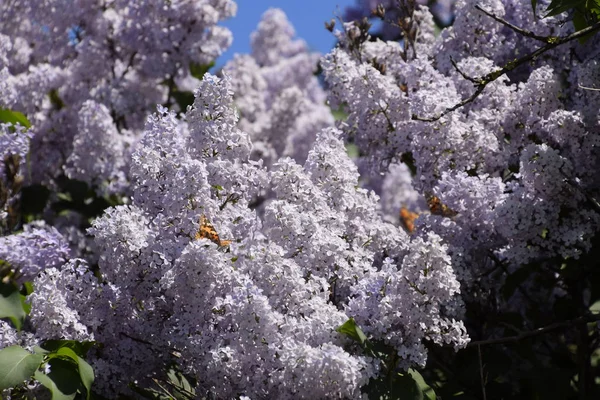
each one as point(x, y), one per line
point(407, 218)
point(207, 231)
point(438, 208)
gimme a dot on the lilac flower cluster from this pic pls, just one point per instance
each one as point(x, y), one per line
point(280, 101)
point(516, 166)
point(14, 147)
point(37, 248)
point(87, 75)
point(443, 10)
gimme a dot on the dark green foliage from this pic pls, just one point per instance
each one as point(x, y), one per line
point(584, 13)
point(536, 350)
point(175, 386)
point(393, 384)
point(14, 117)
point(12, 304)
point(69, 375)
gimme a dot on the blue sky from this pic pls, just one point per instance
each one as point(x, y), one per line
point(307, 16)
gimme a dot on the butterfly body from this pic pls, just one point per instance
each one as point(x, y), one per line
point(438, 208)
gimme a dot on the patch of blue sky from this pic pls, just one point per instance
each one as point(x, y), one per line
point(307, 16)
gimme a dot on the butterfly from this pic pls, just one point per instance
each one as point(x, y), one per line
point(407, 218)
point(438, 208)
point(207, 231)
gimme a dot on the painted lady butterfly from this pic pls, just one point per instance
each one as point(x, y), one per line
point(407, 218)
point(437, 208)
point(207, 231)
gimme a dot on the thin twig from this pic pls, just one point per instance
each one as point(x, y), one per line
point(157, 383)
point(481, 373)
point(172, 349)
point(521, 31)
point(510, 326)
point(181, 390)
point(494, 75)
point(591, 199)
point(465, 76)
point(588, 88)
point(538, 331)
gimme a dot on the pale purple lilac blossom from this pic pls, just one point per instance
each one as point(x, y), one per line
point(506, 162)
point(119, 55)
point(280, 101)
point(35, 249)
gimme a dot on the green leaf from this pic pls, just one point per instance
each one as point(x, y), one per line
point(80, 348)
point(559, 6)
point(17, 365)
point(11, 304)
point(594, 7)
point(427, 390)
point(27, 288)
point(65, 197)
point(152, 394)
point(183, 99)
point(350, 329)
point(180, 386)
point(595, 308)
point(38, 350)
point(352, 150)
point(198, 70)
point(63, 381)
point(534, 7)
point(86, 373)
point(407, 388)
point(56, 100)
point(581, 22)
point(66, 353)
point(399, 386)
point(49, 384)
point(14, 117)
point(339, 115)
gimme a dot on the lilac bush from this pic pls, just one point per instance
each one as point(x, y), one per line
point(248, 252)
